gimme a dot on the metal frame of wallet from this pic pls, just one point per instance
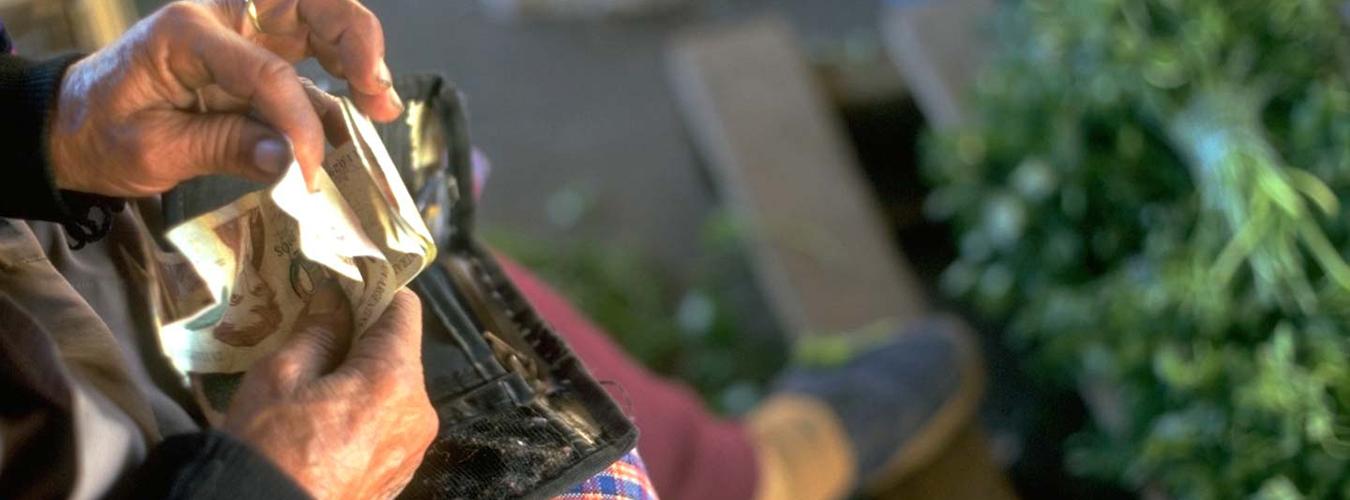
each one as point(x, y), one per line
point(520, 416)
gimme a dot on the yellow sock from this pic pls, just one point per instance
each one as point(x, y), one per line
point(803, 451)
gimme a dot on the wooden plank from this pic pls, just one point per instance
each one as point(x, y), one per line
point(938, 46)
point(821, 248)
point(819, 244)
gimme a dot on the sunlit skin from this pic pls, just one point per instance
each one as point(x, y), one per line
point(129, 120)
point(345, 424)
point(196, 89)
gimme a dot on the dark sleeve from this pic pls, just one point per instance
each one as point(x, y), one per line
point(208, 465)
point(28, 91)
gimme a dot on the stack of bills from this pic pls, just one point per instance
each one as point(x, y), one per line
point(246, 271)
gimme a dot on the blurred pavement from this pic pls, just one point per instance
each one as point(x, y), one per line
point(585, 104)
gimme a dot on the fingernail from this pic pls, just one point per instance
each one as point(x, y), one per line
point(386, 78)
point(327, 299)
point(272, 155)
point(396, 101)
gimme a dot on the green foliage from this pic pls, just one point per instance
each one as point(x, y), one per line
point(1149, 196)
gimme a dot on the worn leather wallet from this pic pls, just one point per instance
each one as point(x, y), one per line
point(520, 417)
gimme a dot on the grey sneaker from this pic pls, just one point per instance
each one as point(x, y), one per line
point(901, 401)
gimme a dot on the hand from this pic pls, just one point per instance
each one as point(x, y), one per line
point(193, 90)
point(343, 35)
point(357, 429)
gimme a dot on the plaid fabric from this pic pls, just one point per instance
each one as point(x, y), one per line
point(624, 480)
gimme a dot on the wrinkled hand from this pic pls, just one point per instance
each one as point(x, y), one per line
point(353, 427)
point(195, 89)
point(343, 35)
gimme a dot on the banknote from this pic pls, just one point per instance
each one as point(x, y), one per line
point(244, 272)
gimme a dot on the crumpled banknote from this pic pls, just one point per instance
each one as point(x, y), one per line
point(245, 271)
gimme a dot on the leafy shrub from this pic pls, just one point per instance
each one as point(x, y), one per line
point(1148, 195)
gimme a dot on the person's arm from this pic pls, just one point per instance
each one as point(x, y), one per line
point(198, 88)
point(305, 420)
point(28, 92)
point(208, 465)
point(77, 135)
point(39, 436)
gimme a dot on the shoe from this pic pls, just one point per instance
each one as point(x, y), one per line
point(866, 423)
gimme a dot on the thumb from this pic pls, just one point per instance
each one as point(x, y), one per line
point(322, 333)
point(233, 144)
point(329, 109)
point(394, 338)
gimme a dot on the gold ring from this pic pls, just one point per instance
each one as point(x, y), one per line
point(251, 8)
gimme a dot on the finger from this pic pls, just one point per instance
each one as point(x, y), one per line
point(349, 41)
point(384, 107)
point(327, 54)
point(329, 109)
point(202, 53)
point(406, 470)
point(326, 105)
point(322, 335)
point(371, 104)
point(214, 99)
point(345, 37)
point(220, 143)
point(394, 340)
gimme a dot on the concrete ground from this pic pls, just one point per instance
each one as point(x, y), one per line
point(584, 106)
